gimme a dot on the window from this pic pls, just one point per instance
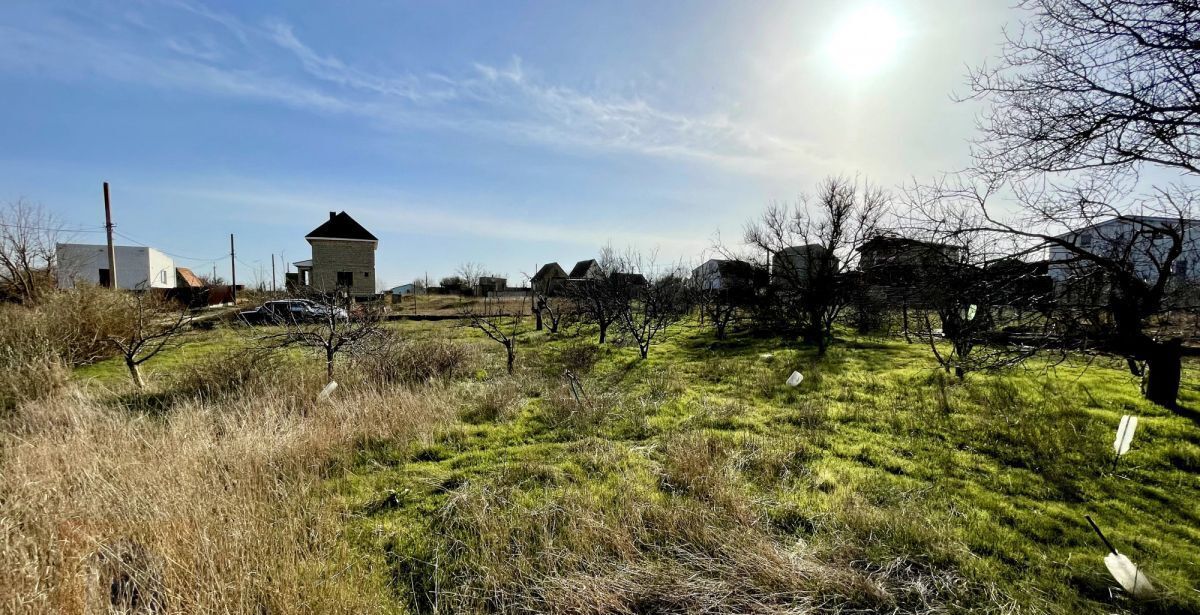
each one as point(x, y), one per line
point(1181, 267)
point(1085, 240)
point(366, 274)
point(104, 278)
point(345, 278)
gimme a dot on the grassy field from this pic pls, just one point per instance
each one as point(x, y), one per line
point(697, 481)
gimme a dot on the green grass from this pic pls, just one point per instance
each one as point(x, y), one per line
point(948, 495)
point(877, 460)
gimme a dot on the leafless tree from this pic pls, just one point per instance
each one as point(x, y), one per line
point(649, 301)
point(1087, 84)
point(728, 295)
point(810, 246)
point(598, 300)
point(28, 237)
point(1087, 94)
point(470, 272)
point(1113, 256)
point(499, 321)
point(143, 324)
point(332, 326)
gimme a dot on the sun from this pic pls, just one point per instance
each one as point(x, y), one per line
point(864, 41)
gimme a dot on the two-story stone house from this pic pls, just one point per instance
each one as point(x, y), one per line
point(343, 258)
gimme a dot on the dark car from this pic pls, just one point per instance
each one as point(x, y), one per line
point(290, 311)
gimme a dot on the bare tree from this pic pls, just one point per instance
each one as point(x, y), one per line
point(809, 247)
point(470, 272)
point(1087, 84)
point(329, 324)
point(649, 301)
point(1112, 256)
point(727, 294)
point(1085, 96)
point(28, 238)
point(598, 299)
point(500, 322)
point(143, 325)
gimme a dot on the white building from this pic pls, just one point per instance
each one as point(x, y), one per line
point(1136, 236)
point(137, 267)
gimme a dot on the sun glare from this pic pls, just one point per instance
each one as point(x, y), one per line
point(865, 41)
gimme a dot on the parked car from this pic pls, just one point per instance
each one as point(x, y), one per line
point(291, 311)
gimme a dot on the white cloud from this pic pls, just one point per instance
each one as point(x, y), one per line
point(507, 102)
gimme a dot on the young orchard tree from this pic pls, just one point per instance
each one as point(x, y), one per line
point(499, 321)
point(598, 299)
point(649, 301)
point(809, 247)
point(141, 325)
point(28, 237)
point(1086, 97)
point(726, 295)
point(331, 326)
point(1116, 263)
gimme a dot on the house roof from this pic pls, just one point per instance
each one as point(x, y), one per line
point(883, 241)
point(582, 267)
point(341, 226)
point(189, 278)
point(304, 263)
point(549, 271)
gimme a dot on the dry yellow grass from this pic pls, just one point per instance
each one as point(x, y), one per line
point(218, 499)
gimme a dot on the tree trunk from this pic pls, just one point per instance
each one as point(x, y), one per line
point(1164, 364)
point(904, 311)
point(135, 373)
point(508, 347)
point(603, 331)
point(328, 366)
point(537, 313)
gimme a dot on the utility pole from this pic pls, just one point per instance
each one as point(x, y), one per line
point(272, 273)
point(112, 251)
point(232, 270)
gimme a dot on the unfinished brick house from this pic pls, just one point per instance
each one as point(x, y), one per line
point(343, 259)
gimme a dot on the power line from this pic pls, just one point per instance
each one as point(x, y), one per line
point(88, 229)
point(180, 256)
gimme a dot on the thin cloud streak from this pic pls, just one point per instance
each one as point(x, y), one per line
point(505, 102)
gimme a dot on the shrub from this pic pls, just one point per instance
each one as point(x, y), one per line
point(28, 372)
point(396, 361)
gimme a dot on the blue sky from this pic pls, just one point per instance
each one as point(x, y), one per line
point(509, 134)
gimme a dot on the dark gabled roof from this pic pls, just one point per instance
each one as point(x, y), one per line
point(580, 270)
point(632, 279)
point(341, 226)
point(549, 271)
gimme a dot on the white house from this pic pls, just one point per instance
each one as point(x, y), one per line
point(1134, 234)
point(404, 289)
point(137, 267)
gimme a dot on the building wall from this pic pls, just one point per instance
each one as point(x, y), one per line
point(136, 266)
point(708, 275)
point(1142, 255)
point(330, 256)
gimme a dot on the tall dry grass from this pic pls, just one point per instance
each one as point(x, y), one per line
point(213, 506)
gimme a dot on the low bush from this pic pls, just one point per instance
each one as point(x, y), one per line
point(397, 361)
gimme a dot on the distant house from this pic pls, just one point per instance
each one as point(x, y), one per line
point(343, 258)
point(490, 285)
point(404, 290)
point(717, 274)
point(137, 266)
point(1135, 235)
point(887, 252)
point(586, 270)
point(629, 279)
point(795, 264)
point(549, 278)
